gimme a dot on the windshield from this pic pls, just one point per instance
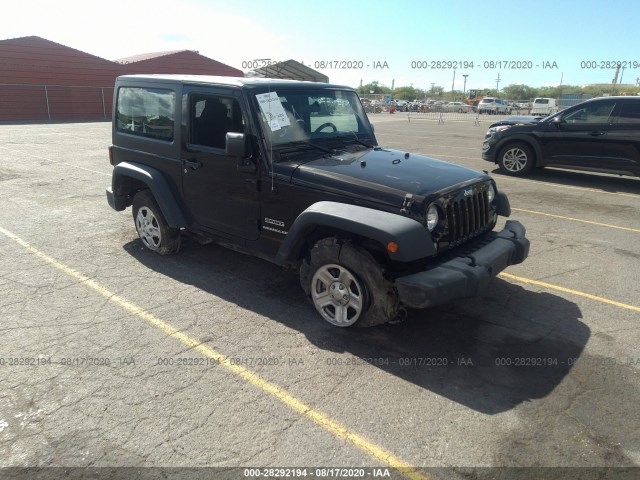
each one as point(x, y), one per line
point(311, 115)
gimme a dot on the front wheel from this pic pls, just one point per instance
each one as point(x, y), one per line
point(516, 159)
point(152, 228)
point(339, 296)
point(347, 286)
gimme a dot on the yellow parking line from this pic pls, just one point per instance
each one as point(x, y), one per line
point(608, 225)
point(319, 418)
point(569, 290)
point(571, 187)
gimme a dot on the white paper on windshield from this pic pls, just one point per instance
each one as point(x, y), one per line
point(273, 110)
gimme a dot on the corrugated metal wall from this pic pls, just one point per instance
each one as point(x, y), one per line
point(43, 80)
point(185, 62)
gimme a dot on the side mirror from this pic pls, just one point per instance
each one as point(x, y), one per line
point(236, 146)
point(558, 120)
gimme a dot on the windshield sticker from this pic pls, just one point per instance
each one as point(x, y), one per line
point(274, 125)
point(273, 110)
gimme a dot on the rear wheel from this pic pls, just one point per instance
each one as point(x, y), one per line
point(152, 228)
point(516, 159)
point(347, 286)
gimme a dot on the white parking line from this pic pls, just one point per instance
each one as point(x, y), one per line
point(54, 161)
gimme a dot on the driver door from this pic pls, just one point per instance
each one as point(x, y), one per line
point(221, 199)
point(578, 140)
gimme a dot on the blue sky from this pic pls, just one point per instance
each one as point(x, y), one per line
point(396, 33)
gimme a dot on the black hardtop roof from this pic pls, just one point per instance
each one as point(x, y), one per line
point(247, 82)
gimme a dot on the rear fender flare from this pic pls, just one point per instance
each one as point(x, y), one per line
point(157, 183)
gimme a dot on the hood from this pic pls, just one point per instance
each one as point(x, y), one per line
point(384, 175)
point(518, 120)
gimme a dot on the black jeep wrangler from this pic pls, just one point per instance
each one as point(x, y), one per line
point(291, 172)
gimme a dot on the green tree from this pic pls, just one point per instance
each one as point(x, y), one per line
point(407, 93)
point(375, 87)
point(436, 91)
point(519, 92)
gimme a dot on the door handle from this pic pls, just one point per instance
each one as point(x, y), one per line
point(596, 133)
point(193, 163)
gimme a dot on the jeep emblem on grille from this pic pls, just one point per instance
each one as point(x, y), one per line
point(468, 193)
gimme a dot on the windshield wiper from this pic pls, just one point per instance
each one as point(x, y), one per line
point(354, 138)
point(298, 143)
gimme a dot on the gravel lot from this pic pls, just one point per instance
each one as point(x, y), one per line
point(543, 370)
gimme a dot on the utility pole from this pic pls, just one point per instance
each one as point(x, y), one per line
point(464, 87)
point(615, 79)
point(453, 83)
point(560, 89)
point(498, 83)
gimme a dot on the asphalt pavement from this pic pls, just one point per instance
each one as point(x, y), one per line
point(113, 356)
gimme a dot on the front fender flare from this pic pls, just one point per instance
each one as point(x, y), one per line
point(518, 138)
point(413, 239)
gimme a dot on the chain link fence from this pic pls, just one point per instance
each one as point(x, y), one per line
point(26, 102)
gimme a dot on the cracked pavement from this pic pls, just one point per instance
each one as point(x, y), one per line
point(110, 397)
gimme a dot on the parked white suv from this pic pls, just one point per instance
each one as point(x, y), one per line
point(494, 105)
point(544, 106)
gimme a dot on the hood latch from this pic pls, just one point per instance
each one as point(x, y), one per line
point(406, 204)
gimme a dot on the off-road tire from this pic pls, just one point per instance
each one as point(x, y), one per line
point(152, 228)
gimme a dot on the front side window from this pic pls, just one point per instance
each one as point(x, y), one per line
point(146, 112)
point(211, 117)
point(592, 113)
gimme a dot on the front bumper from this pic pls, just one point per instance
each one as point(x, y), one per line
point(468, 274)
point(489, 150)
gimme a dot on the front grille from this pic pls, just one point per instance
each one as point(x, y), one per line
point(468, 217)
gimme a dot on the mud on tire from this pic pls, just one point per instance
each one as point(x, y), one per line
point(347, 286)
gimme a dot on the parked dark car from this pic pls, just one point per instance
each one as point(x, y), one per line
point(600, 135)
point(291, 172)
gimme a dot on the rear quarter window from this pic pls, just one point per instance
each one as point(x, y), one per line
point(629, 113)
point(146, 112)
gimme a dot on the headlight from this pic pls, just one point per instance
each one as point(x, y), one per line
point(499, 128)
point(491, 193)
point(432, 217)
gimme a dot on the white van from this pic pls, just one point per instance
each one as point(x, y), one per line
point(544, 106)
